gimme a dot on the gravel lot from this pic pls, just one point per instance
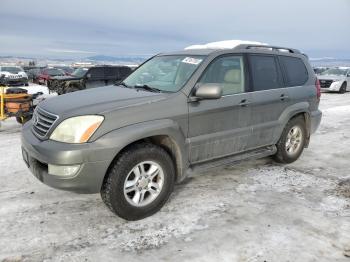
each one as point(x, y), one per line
point(254, 211)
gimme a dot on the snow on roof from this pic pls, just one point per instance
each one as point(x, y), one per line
point(227, 44)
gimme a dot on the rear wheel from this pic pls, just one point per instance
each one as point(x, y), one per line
point(139, 182)
point(292, 141)
point(342, 89)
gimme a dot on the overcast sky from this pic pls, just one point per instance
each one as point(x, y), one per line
point(77, 28)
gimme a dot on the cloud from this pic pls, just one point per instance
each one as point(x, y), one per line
point(69, 51)
point(146, 27)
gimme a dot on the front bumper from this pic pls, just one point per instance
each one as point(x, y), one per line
point(16, 81)
point(94, 159)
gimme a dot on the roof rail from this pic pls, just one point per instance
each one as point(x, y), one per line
point(269, 47)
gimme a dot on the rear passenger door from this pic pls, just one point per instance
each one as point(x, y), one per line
point(269, 99)
point(111, 75)
point(95, 77)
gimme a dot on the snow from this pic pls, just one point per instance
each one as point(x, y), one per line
point(227, 44)
point(253, 211)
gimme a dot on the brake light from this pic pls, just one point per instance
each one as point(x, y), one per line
point(318, 88)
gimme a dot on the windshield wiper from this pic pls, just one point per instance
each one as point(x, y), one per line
point(148, 88)
point(122, 84)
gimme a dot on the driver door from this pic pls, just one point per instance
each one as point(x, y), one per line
point(220, 127)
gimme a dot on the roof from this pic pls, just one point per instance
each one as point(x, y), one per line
point(235, 45)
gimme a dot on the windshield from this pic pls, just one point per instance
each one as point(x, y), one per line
point(80, 72)
point(11, 69)
point(335, 71)
point(166, 73)
point(54, 72)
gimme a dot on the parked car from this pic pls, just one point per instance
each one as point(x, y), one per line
point(14, 75)
point(335, 79)
point(33, 74)
point(320, 69)
point(84, 78)
point(47, 74)
point(177, 113)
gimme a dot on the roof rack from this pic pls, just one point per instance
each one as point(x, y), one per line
point(269, 47)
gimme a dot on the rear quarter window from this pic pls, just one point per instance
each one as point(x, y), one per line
point(265, 72)
point(295, 71)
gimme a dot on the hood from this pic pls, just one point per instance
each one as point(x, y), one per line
point(331, 77)
point(99, 100)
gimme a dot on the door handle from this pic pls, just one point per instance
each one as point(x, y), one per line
point(244, 102)
point(284, 97)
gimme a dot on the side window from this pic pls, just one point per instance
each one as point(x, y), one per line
point(96, 73)
point(124, 72)
point(111, 73)
point(228, 71)
point(264, 71)
point(295, 70)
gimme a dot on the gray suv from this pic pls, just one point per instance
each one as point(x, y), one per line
point(177, 113)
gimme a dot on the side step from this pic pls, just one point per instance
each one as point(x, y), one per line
point(249, 155)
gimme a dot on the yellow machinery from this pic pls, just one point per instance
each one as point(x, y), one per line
point(12, 104)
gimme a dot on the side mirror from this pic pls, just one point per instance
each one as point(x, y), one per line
point(88, 76)
point(208, 91)
point(348, 74)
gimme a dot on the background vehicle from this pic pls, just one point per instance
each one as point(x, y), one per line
point(177, 113)
point(84, 78)
point(318, 70)
point(46, 74)
point(335, 79)
point(13, 75)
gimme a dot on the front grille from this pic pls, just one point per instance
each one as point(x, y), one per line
point(326, 83)
point(42, 122)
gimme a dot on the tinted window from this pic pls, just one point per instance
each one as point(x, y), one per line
point(124, 72)
point(96, 73)
point(111, 72)
point(295, 70)
point(264, 72)
point(228, 71)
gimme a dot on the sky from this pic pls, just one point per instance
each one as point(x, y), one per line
point(77, 28)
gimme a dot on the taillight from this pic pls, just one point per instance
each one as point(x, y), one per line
point(318, 88)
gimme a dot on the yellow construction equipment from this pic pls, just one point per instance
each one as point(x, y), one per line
point(15, 104)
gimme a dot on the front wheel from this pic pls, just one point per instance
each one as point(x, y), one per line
point(292, 141)
point(342, 89)
point(139, 182)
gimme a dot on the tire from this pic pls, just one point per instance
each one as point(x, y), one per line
point(113, 190)
point(342, 89)
point(288, 150)
point(22, 120)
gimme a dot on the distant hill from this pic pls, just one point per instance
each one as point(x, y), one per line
point(128, 59)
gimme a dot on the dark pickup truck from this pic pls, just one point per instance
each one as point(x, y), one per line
point(84, 78)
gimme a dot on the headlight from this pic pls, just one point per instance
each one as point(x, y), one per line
point(77, 129)
point(336, 83)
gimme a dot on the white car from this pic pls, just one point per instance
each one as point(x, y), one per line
point(14, 75)
point(335, 79)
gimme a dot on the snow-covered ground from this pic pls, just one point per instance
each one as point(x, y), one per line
point(254, 211)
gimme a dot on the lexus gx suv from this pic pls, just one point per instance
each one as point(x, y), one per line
point(176, 114)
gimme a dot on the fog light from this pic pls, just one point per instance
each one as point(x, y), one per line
point(64, 171)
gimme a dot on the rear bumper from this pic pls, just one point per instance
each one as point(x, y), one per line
point(315, 119)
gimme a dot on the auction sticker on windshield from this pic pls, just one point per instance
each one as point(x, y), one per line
point(191, 60)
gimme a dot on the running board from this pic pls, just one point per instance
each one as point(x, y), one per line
point(250, 155)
